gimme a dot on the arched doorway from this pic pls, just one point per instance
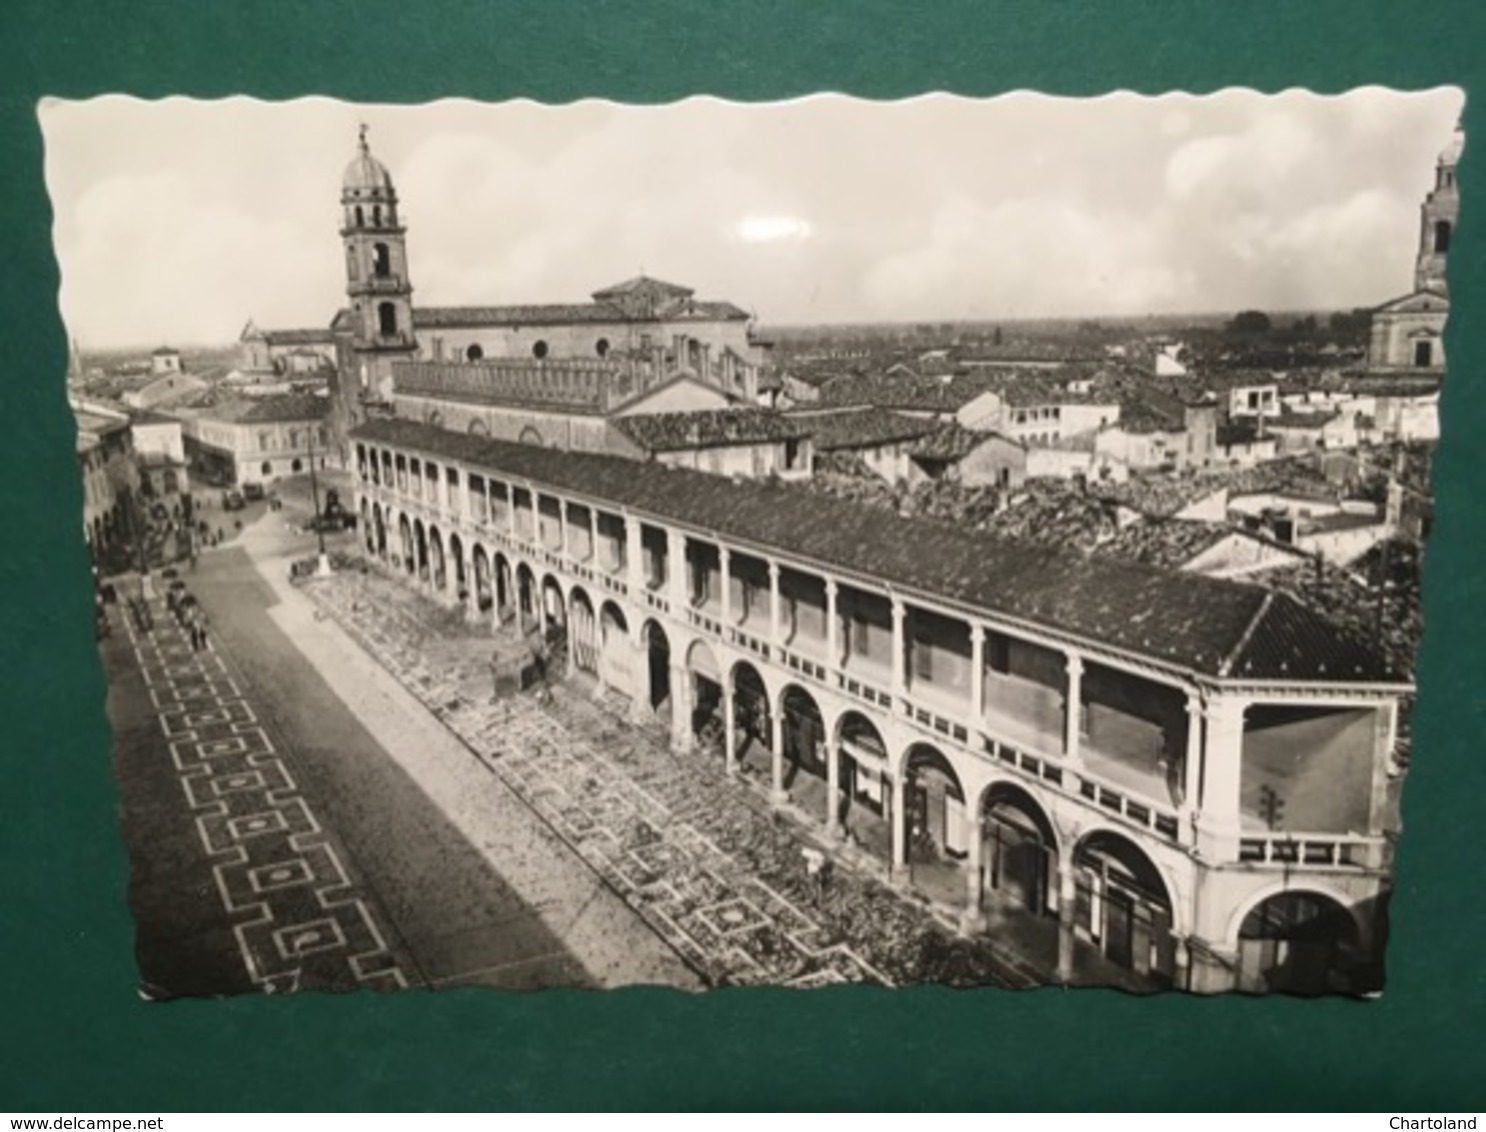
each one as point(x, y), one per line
point(554, 619)
point(933, 817)
point(803, 733)
point(864, 778)
point(483, 598)
point(381, 547)
point(615, 653)
point(405, 530)
point(753, 721)
point(420, 551)
point(504, 603)
point(658, 660)
point(461, 582)
point(583, 629)
point(1020, 856)
point(1121, 905)
point(705, 698)
point(436, 560)
point(526, 596)
point(1298, 942)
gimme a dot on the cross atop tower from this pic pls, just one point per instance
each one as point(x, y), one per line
point(361, 137)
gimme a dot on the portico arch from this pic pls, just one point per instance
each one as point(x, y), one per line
point(1020, 856)
point(802, 734)
point(658, 659)
point(456, 552)
point(934, 826)
point(1122, 904)
point(504, 593)
point(752, 719)
point(705, 698)
point(1299, 941)
point(616, 656)
point(381, 531)
point(420, 551)
point(583, 631)
point(405, 531)
point(526, 595)
point(483, 597)
point(437, 568)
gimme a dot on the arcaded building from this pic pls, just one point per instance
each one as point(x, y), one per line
point(1167, 779)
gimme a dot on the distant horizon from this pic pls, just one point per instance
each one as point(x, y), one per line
point(1113, 319)
point(181, 220)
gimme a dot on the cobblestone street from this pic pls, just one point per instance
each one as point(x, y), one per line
point(702, 858)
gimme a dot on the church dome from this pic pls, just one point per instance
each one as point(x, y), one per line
point(365, 174)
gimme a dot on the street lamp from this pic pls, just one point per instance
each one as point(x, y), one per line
point(322, 564)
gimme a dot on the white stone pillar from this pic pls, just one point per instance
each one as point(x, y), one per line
point(1073, 709)
point(593, 537)
point(1067, 903)
point(676, 570)
point(833, 627)
point(1192, 761)
point(634, 556)
point(1222, 778)
point(833, 785)
point(978, 674)
point(564, 547)
point(973, 918)
point(900, 653)
point(899, 812)
point(729, 729)
point(777, 793)
point(536, 515)
point(775, 639)
point(724, 570)
point(681, 707)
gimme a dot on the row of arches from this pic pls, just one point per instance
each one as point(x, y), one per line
point(961, 841)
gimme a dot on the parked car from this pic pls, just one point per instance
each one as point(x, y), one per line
point(253, 492)
point(233, 501)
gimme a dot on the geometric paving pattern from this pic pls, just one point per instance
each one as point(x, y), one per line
point(714, 873)
point(297, 919)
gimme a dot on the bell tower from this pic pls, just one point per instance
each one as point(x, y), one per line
point(381, 310)
point(1437, 219)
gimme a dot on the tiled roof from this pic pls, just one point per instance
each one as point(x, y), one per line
point(1160, 496)
point(267, 410)
point(1203, 624)
point(860, 428)
point(951, 443)
point(1149, 412)
point(1170, 543)
point(711, 428)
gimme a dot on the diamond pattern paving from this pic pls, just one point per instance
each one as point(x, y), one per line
point(707, 863)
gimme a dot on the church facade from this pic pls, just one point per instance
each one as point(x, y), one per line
point(1408, 332)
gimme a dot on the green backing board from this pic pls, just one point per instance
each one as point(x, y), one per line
point(77, 1038)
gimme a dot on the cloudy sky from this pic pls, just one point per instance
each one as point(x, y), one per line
point(177, 220)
